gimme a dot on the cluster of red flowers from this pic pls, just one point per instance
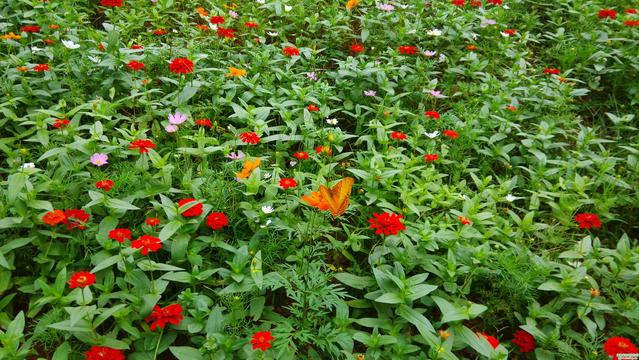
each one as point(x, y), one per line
point(552, 71)
point(225, 32)
point(407, 50)
point(432, 114)
point(72, 218)
point(41, 67)
point(30, 29)
point(431, 157)
point(193, 211)
point(181, 66)
point(312, 107)
point(135, 65)
point(588, 221)
point(619, 345)
point(398, 135)
point(301, 155)
point(291, 51)
point(249, 138)
point(357, 48)
point(386, 223)
point(217, 220)
point(204, 123)
point(262, 340)
point(451, 134)
point(143, 145)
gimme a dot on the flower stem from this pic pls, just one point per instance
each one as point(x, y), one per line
point(157, 346)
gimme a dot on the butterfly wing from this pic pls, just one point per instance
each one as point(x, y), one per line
point(315, 200)
point(337, 197)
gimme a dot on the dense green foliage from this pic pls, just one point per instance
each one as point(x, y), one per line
point(530, 107)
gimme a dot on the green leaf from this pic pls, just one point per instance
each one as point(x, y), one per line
point(106, 263)
point(186, 353)
point(357, 282)
point(390, 298)
point(120, 205)
point(150, 265)
point(170, 229)
point(256, 270)
point(422, 324)
point(16, 183)
point(449, 311)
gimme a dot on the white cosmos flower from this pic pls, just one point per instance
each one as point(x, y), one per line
point(292, 163)
point(267, 175)
point(28, 166)
point(331, 121)
point(70, 44)
point(432, 135)
point(261, 1)
point(94, 59)
point(434, 32)
point(267, 209)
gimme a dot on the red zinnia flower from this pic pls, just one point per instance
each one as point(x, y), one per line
point(509, 32)
point(631, 23)
point(225, 32)
point(476, 3)
point(217, 20)
point(152, 221)
point(30, 29)
point(120, 235)
point(431, 157)
point(495, 2)
point(398, 135)
point(407, 50)
point(103, 353)
point(101, 47)
point(630, 11)
point(525, 341)
point(195, 210)
point(181, 66)
point(312, 108)
point(81, 279)
point(147, 243)
point(587, 221)
point(249, 137)
point(301, 155)
point(54, 217)
point(217, 220)
point(357, 48)
point(386, 223)
point(451, 134)
point(432, 114)
point(111, 3)
point(459, 2)
point(136, 47)
point(471, 47)
point(143, 145)
point(41, 67)
point(204, 122)
point(105, 185)
point(250, 24)
point(552, 71)
point(464, 220)
point(135, 65)
point(262, 340)
point(76, 219)
point(160, 32)
point(171, 314)
point(291, 51)
point(58, 123)
point(287, 183)
point(511, 108)
point(48, 41)
point(619, 345)
point(492, 340)
point(607, 13)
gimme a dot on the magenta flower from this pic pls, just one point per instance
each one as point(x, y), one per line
point(99, 159)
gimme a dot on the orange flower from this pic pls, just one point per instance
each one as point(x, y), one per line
point(202, 27)
point(351, 4)
point(249, 166)
point(202, 12)
point(54, 26)
point(23, 68)
point(235, 72)
point(54, 217)
point(11, 36)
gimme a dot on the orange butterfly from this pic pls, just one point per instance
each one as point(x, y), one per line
point(335, 200)
point(249, 166)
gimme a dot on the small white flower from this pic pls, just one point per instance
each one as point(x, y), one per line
point(268, 222)
point(272, 33)
point(432, 135)
point(506, 7)
point(288, 8)
point(462, 196)
point(474, 36)
point(267, 209)
point(331, 121)
point(403, 6)
point(261, 1)
point(510, 198)
point(292, 163)
point(35, 49)
point(267, 175)
point(28, 166)
point(442, 58)
point(434, 32)
point(70, 44)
